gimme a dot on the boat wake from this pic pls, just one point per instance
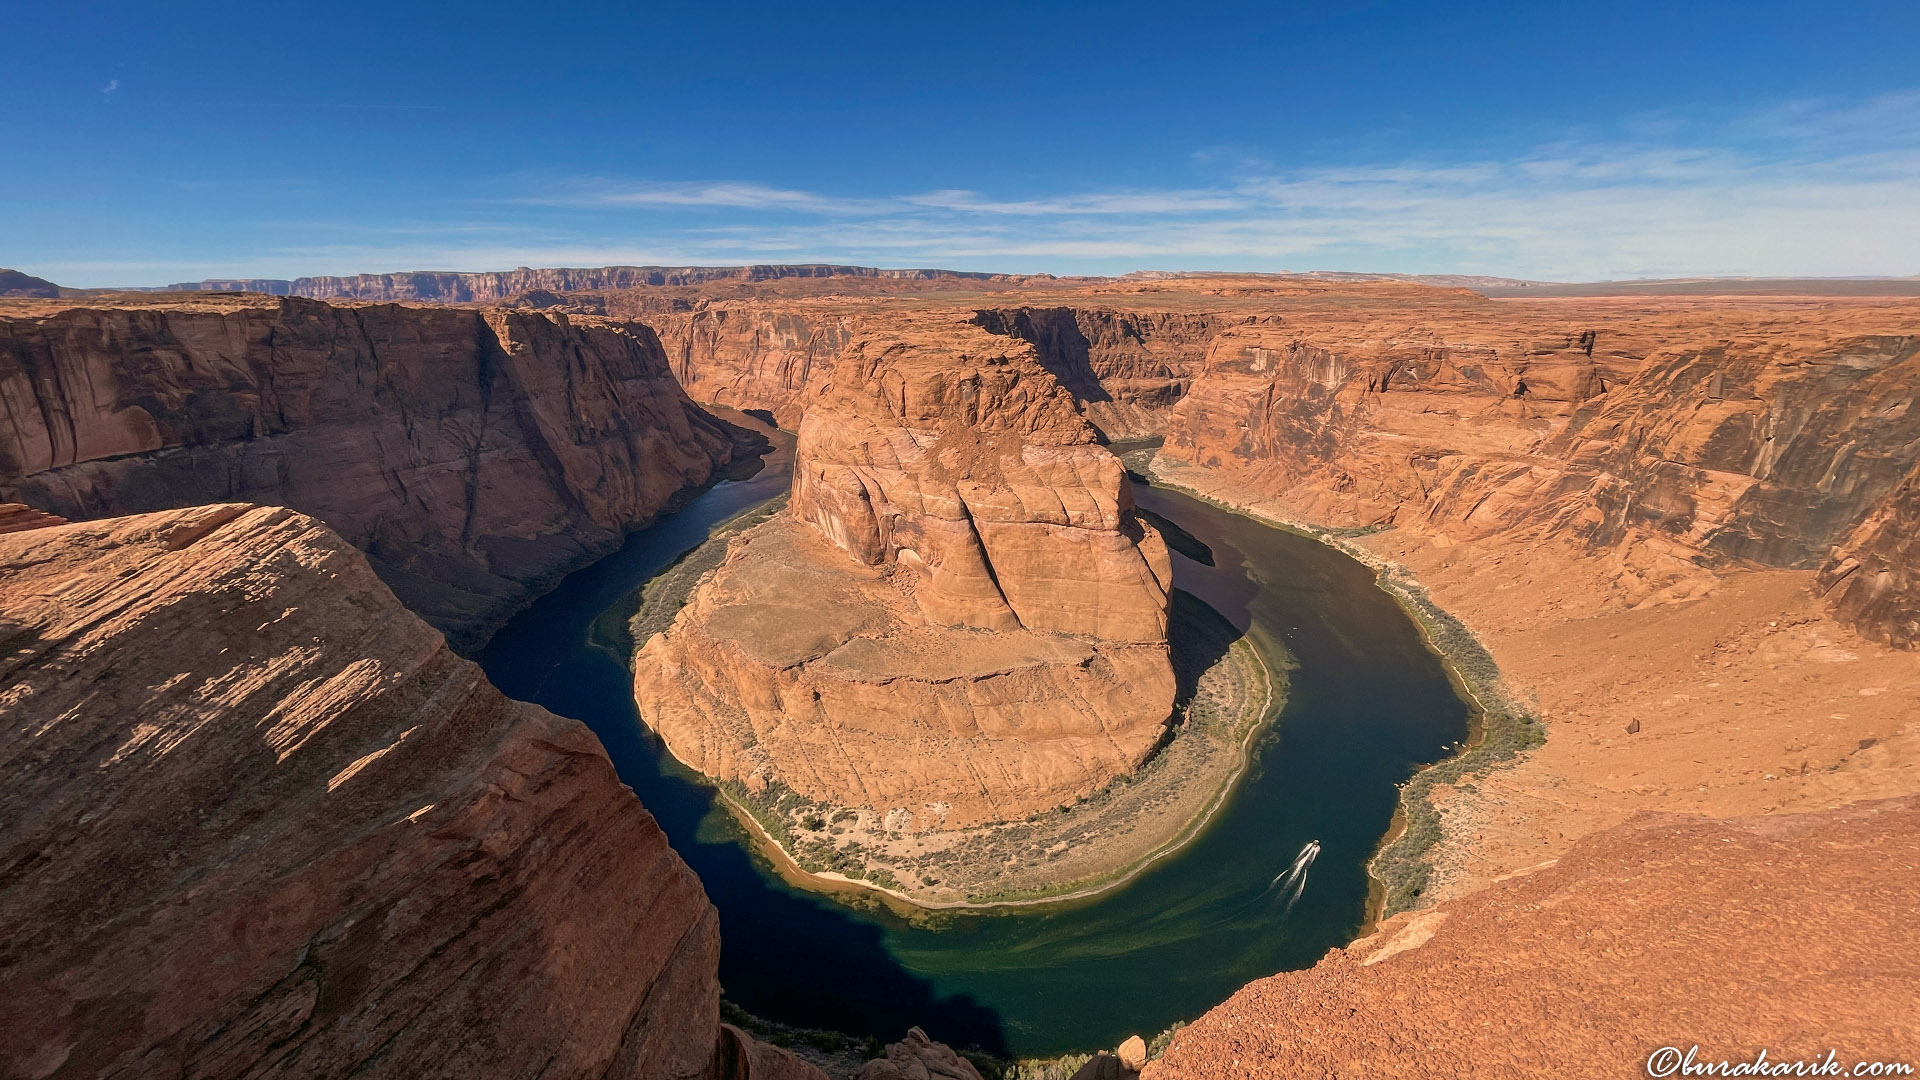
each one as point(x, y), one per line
point(1292, 881)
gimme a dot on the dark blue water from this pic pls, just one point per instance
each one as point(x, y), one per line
point(1368, 703)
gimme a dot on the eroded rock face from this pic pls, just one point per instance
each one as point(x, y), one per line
point(1349, 428)
point(475, 456)
point(1631, 942)
point(1123, 366)
point(259, 821)
point(975, 472)
point(754, 355)
point(960, 615)
point(1735, 438)
point(1872, 580)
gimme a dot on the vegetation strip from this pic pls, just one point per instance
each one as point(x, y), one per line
point(762, 825)
point(1502, 727)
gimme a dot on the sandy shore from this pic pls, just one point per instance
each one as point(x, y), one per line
point(1105, 841)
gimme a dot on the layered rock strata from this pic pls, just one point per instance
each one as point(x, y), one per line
point(1741, 439)
point(493, 287)
point(1872, 579)
point(259, 821)
point(1125, 367)
point(751, 355)
point(474, 456)
point(960, 617)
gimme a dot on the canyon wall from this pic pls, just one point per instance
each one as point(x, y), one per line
point(260, 821)
point(1123, 366)
point(754, 355)
point(1348, 426)
point(1872, 580)
point(960, 616)
point(1672, 449)
point(474, 456)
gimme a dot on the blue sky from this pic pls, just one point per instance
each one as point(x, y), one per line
point(164, 142)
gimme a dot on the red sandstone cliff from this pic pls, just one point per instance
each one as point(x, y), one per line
point(1125, 367)
point(1737, 438)
point(755, 355)
point(475, 456)
point(259, 821)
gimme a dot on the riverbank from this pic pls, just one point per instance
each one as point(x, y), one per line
point(1229, 688)
point(1502, 726)
point(1230, 692)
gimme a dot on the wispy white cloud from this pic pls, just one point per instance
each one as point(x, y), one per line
point(1136, 203)
point(1810, 187)
point(732, 195)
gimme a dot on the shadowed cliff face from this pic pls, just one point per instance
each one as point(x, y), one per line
point(1872, 580)
point(944, 485)
point(753, 356)
point(259, 821)
point(1749, 450)
point(1123, 366)
point(474, 456)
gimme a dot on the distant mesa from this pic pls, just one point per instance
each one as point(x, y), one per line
point(460, 287)
point(15, 283)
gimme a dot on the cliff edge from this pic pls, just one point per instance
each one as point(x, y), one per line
point(260, 821)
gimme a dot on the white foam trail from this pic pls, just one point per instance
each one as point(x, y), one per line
point(1299, 867)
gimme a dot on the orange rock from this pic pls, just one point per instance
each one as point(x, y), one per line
point(917, 1057)
point(261, 822)
point(1790, 933)
point(961, 616)
point(473, 455)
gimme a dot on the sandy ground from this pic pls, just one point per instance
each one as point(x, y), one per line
point(1749, 700)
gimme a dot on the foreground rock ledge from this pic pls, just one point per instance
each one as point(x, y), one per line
point(1791, 933)
point(259, 821)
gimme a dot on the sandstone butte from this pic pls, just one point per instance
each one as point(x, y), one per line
point(474, 456)
point(311, 840)
point(960, 618)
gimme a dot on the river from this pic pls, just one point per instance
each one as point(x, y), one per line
point(1368, 704)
